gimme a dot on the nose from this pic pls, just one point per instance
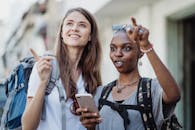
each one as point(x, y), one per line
point(74, 27)
point(118, 53)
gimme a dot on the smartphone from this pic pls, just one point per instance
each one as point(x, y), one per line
point(85, 100)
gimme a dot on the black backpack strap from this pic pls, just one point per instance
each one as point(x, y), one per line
point(105, 92)
point(122, 110)
point(144, 104)
point(144, 99)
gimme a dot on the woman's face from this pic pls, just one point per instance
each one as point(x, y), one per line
point(76, 30)
point(123, 53)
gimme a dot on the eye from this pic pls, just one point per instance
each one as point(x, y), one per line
point(82, 25)
point(112, 49)
point(69, 23)
point(127, 48)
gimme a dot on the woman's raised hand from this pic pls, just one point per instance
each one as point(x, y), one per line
point(44, 66)
point(140, 34)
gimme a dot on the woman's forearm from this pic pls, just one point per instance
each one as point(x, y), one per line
point(166, 80)
point(33, 110)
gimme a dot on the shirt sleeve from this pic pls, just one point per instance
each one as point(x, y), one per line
point(33, 83)
point(156, 92)
point(157, 101)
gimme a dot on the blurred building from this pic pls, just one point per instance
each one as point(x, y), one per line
point(171, 24)
point(30, 24)
point(34, 27)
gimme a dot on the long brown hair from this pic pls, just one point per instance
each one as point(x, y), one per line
point(89, 62)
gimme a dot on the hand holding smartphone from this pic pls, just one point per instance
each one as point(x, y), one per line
point(85, 100)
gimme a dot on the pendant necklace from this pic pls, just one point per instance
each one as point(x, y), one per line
point(121, 87)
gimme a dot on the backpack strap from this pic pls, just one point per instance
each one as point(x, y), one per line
point(144, 99)
point(62, 102)
point(115, 106)
point(54, 81)
point(105, 92)
point(60, 87)
point(120, 108)
point(144, 103)
point(55, 74)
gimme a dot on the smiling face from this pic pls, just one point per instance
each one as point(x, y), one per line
point(76, 30)
point(124, 53)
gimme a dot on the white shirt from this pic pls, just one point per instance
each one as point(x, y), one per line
point(53, 106)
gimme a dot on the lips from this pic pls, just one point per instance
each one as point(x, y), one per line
point(118, 64)
point(74, 36)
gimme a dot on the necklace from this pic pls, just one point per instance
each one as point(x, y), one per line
point(121, 87)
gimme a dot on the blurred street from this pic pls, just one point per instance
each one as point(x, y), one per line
point(34, 24)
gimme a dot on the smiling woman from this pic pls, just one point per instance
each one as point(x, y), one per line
point(76, 30)
point(77, 46)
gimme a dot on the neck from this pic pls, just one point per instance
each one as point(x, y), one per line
point(127, 78)
point(75, 56)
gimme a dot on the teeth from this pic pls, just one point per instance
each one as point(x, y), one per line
point(118, 63)
point(74, 36)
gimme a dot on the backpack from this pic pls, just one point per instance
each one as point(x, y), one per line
point(16, 86)
point(144, 106)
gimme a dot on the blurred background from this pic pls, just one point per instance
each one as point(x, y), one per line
point(33, 24)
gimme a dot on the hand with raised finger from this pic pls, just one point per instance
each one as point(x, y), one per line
point(144, 38)
point(44, 66)
point(142, 35)
point(88, 119)
point(133, 33)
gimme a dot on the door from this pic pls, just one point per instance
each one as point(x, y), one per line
point(189, 70)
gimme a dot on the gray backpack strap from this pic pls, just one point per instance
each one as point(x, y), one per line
point(55, 74)
point(54, 81)
point(63, 103)
point(55, 78)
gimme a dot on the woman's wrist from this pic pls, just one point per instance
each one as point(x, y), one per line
point(147, 49)
point(44, 84)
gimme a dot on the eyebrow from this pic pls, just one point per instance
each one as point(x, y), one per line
point(123, 44)
point(79, 21)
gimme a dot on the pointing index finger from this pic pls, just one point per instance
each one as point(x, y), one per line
point(133, 21)
point(34, 54)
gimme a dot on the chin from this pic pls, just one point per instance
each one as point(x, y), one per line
point(120, 70)
point(124, 71)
